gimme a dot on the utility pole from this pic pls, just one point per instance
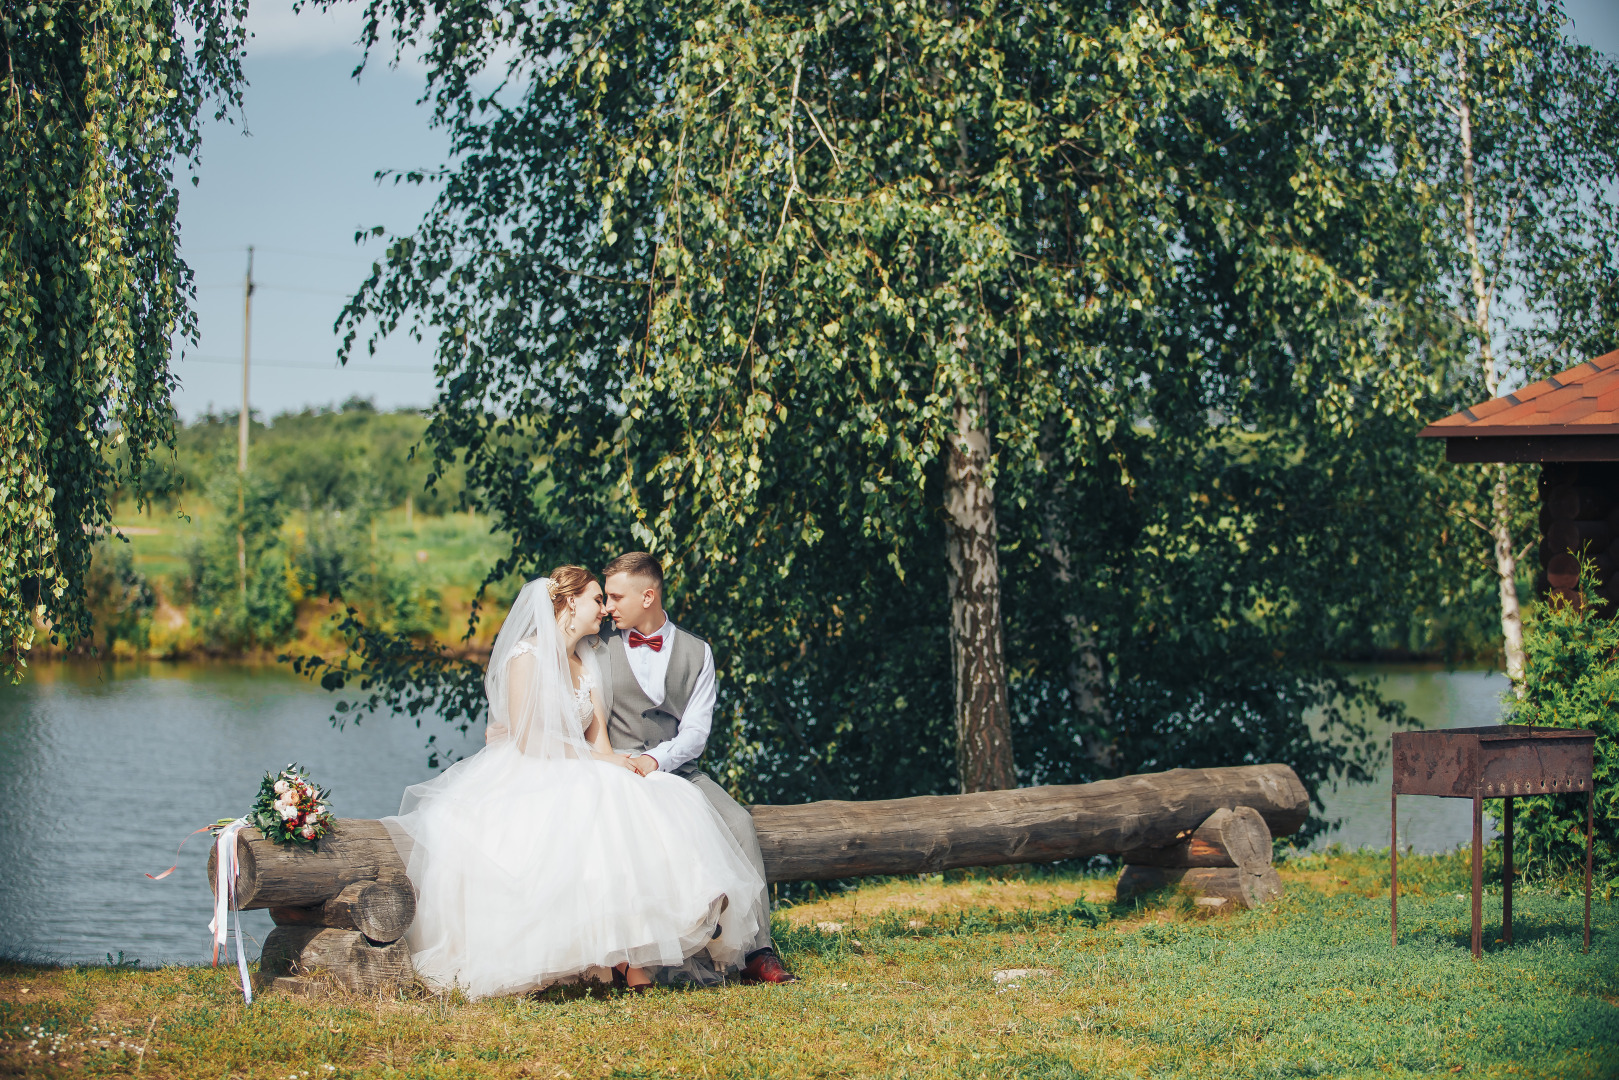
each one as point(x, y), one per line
point(241, 430)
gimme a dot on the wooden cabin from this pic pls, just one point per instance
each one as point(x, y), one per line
point(1569, 425)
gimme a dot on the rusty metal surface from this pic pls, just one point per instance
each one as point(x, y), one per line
point(1504, 759)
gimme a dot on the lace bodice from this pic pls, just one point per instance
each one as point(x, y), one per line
point(581, 698)
point(581, 693)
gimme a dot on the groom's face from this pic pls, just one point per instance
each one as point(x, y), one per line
point(633, 603)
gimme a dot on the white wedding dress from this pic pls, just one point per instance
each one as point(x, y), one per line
point(535, 864)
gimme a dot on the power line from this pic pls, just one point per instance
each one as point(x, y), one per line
point(280, 288)
point(328, 255)
point(304, 364)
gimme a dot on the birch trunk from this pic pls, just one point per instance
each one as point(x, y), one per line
point(1506, 569)
point(983, 720)
point(1506, 566)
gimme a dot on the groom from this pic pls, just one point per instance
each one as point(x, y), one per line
point(659, 696)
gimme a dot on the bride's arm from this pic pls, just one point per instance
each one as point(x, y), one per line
point(596, 733)
point(518, 686)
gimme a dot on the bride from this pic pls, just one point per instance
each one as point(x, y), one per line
point(546, 857)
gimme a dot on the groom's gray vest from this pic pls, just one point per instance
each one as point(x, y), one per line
point(633, 721)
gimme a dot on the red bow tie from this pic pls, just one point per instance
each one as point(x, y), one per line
point(637, 639)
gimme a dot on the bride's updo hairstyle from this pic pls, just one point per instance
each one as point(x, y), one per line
point(567, 582)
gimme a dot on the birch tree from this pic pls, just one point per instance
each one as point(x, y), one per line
point(832, 304)
point(99, 102)
point(1518, 156)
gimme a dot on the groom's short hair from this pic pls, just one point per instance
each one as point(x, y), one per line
point(637, 564)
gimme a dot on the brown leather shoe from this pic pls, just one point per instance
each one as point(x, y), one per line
point(765, 966)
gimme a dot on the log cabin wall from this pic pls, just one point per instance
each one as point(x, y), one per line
point(1579, 513)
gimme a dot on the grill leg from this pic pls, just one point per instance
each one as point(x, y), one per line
point(1478, 874)
point(1506, 875)
point(1394, 869)
point(1590, 812)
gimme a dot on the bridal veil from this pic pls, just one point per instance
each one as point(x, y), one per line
point(528, 682)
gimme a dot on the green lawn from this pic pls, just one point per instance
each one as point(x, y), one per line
point(448, 554)
point(899, 979)
point(453, 550)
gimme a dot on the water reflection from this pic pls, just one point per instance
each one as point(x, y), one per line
point(102, 770)
point(1439, 699)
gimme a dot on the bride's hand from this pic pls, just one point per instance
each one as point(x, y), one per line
point(617, 759)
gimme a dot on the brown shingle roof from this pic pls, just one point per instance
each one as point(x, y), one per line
point(1583, 400)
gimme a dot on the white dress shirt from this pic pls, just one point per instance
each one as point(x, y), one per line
point(651, 669)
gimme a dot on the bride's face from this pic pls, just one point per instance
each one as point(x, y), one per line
point(584, 610)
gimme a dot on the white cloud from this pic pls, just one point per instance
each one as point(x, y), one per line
point(279, 31)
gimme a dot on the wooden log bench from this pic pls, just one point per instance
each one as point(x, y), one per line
point(341, 911)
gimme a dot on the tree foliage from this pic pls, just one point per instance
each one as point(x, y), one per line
point(341, 457)
point(99, 100)
point(1513, 140)
point(1535, 172)
point(722, 280)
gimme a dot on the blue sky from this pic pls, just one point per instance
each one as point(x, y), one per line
point(298, 183)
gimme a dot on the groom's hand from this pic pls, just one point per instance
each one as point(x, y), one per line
point(644, 764)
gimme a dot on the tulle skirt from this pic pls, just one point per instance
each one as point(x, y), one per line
point(531, 872)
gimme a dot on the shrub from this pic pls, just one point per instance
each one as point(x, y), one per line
point(228, 615)
point(1571, 681)
point(118, 596)
point(339, 557)
point(335, 551)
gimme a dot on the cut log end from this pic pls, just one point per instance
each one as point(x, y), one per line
point(1231, 883)
point(1229, 837)
point(382, 911)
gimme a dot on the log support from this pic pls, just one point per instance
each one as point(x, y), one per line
point(1225, 860)
point(342, 958)
point(1229, 883)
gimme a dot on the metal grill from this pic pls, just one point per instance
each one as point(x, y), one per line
point(1500, 762)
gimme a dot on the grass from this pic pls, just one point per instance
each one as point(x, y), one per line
point(899, 980)
point(442, 551)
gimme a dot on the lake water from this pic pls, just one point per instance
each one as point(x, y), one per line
point(104, 769)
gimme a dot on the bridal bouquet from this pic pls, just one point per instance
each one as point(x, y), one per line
point(290, 808)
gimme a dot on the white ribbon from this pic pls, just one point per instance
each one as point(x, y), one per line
point(225, 870)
